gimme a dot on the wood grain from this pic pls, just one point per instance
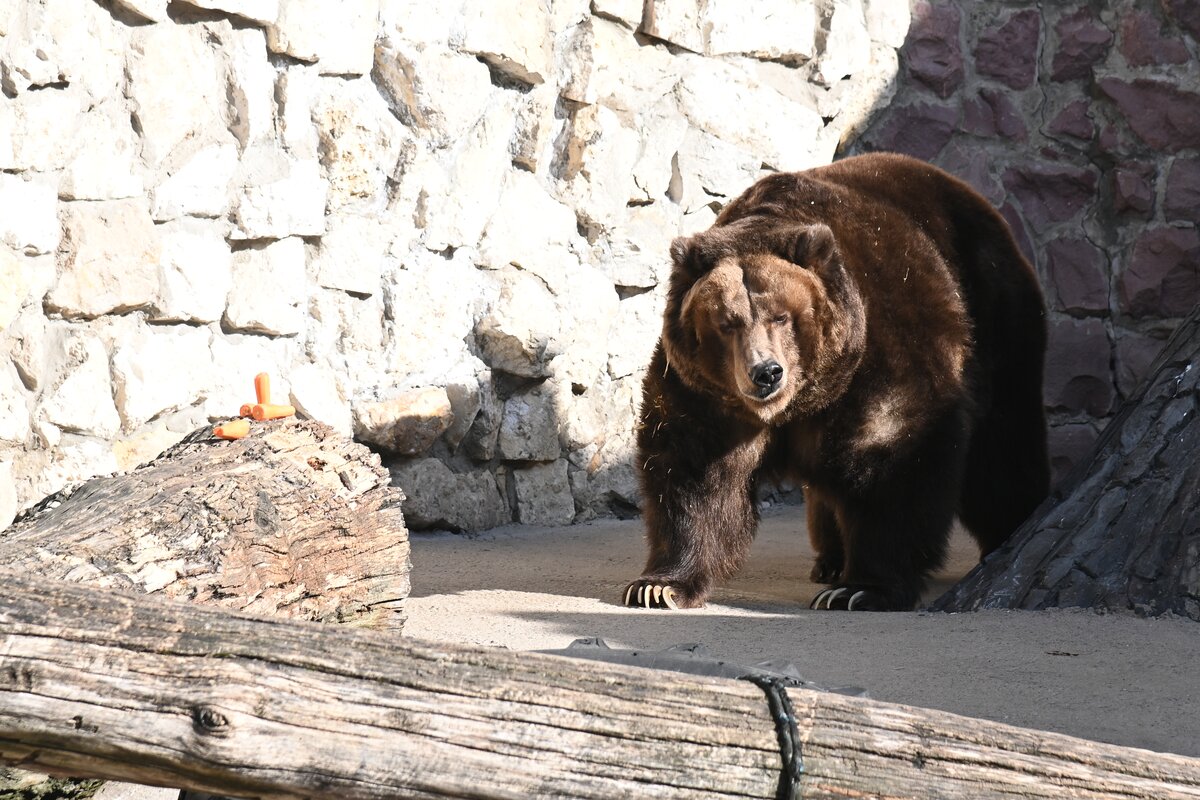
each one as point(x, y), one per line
point(126, 687)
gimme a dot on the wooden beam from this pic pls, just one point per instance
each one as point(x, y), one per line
point(132, 688)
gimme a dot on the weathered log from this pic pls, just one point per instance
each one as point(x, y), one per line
point(1123, 533)
point(120, 686)
point(293, 520)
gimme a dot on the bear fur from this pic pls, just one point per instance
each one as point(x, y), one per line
point(869, 330)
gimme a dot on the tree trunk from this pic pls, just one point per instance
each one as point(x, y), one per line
point(293, 520)
point(119, 686)
point(1123, 533)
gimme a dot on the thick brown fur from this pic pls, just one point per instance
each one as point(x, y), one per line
point(870, 330)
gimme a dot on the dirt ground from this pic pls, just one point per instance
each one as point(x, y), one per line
point(1111, 678)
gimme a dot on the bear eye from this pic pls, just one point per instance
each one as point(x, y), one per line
point(779, 319)
point(729, 325)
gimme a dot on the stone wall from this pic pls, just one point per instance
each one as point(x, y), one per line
point(443, 226)
point(1081, 121)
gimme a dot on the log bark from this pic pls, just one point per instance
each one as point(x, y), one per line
point(1123, 533)
point(293, 521)
point(120, 686)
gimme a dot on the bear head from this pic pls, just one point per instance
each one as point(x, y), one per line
point(764, 315)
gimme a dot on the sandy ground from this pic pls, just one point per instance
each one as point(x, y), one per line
point(1111, 678)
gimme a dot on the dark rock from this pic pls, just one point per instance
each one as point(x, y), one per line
point(1079, 377)
point(1009, 51)
point(919, 129)
point(1082, 41)
point(1078, 271)
point(1186, 14)
point(1182, 200)
point(1143, 43)
point(1050, 193)
point(1160, 113)
point(933, 55)
point(971, 163)
point(1073, 121)
point(992, 114)
point(1133, 189)
point(1069, 445)
point(1162, 278)
point(1135, 353)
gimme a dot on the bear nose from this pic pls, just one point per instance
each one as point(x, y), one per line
point(766, 374)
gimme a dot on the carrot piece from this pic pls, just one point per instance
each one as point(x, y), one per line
point(262, 387)
point(263, 411)
point(244, 411)
point(234, 429)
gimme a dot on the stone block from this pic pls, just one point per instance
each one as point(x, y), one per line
point(408, 423)
point(767, 123)
point(1008, 51)
point(350, 256)
point(599, 158)
point(195, 182)
point(529, 427)
point(339, 37)
point(14, 277)
point(108, 259)
point(521, 333)
point(359, 141)
point(14, 408)
point(1078, 271)
point(512, 36)
point(439, 92)
point(277, 197)
point(1133, 189)
point(603, 63)
point(1181, 202)
point(1162, 277)
point(316, 394)
point(632, 337)
point(1050, 192)
point(1073, 120)
point(627, 11)
point(1079, 377)
point(1069, 445)
point(38, 129)
point(991, 114)
point(634, 254)
point(677, 22)
point(1184, 13)
point(78, 397)
point(159, 369)
point(710, 170)
point(166, 116)
point(916, 129)
point(195, 273)
point(436, 497)
point(1082, 42)
point(775, 30)
point(268, 294)
point(847, 44)
point(1161, 113)
point(889, 23)
point(296, 89)
point(549, 249)
point(1143, 42)
point(115, 174)
point(251, 79)
point(543, 494)
point(934, 55)
point(1135, 353)
point(29, 223)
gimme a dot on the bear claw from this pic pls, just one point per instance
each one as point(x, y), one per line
point(650, 595)
point(846, 598)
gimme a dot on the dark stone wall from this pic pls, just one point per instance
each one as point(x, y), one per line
point(1081, 122)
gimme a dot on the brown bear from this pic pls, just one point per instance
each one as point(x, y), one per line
point(870, 330)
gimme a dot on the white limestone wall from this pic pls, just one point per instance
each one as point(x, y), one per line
point(442, 226)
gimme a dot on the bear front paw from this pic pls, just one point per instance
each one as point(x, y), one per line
point(826, 570)
point(859, 598)
point(657, 593)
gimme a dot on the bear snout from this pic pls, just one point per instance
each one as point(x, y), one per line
point(767, 377)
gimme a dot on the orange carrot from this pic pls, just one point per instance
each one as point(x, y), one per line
point(244, 411)
point(262, 411)
point(234, 429)
point(262, 387)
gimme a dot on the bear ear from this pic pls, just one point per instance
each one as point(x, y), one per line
point(810, 246)
point(682, 252)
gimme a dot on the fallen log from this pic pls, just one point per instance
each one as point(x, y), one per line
point(293, 520)
point(119, 686)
